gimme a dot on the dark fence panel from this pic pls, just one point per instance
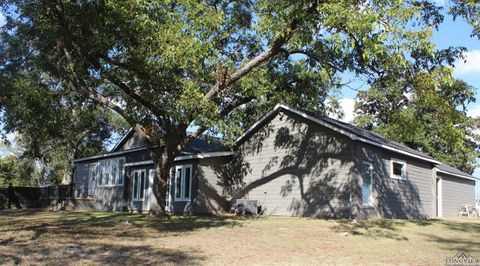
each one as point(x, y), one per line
point(33, 197)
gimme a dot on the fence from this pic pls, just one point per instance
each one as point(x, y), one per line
point(34, 197)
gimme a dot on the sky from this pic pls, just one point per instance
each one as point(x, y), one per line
point(450, 33)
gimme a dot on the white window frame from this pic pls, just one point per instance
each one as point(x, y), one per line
point(182, 180)
point(404, 174)
point(370, 164)
point(141, 186)
point(105, 167)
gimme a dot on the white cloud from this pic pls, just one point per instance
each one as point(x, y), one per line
point(348, 108)
point(471, 65)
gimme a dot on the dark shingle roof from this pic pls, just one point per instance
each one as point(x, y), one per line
point(201, 145)
point(445, 168)
point(367, 134)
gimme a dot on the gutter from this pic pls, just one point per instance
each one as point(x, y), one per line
point(457, 175)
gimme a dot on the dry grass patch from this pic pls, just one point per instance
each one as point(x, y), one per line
point(95, 238)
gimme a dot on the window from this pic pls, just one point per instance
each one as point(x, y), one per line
point(121, 172)
point(366, 171)
point(92, 176)
point(140, 185)
point(100, 173)
point(398, 169)
point(111, 172)
point(183, 182)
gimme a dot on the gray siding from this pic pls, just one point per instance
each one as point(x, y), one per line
point(180, 206)
point(107, 198)
point(295, 167)
point(455, 193)
point(393, 198)
point(133, 142)
point(81, 180)
point(210, 195)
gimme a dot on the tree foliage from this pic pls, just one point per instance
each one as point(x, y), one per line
point(431, 118)
point(15, 172)
point(214, 65)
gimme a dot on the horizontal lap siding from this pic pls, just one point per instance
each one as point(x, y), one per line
point(296, 167)
point(456, 192)
point(209, 194)
point(411, 198)
point(81, 180)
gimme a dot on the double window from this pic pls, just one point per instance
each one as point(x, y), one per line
point(366, 171)
point(183, 182)
point(111, 172)
point(398, 169)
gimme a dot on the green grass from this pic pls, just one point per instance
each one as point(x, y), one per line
point(96, 238)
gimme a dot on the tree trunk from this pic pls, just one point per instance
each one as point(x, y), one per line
point(162, 163)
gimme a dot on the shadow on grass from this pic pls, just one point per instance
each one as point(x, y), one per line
point(101, 254)
point(382, 228)
point(160, 224)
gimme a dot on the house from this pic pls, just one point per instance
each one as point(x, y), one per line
point(294, 162)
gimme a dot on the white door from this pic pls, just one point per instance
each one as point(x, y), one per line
point(438, 192)
point(140, 187)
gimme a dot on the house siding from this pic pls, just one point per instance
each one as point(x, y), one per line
point(393, 198)
point(456, 192)
point(295, 167)
point(210, 195)
point(183, 206)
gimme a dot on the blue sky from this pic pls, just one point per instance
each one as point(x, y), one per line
point(449, 34)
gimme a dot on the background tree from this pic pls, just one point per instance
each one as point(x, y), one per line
point(428, 117)
point(15, 172)
point(166, 66)
point(53, 129)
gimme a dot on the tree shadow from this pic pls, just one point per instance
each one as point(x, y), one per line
point(101, 254)
point(293, 166)
point(376, 229)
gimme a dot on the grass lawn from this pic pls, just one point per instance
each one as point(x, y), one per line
point(63, 238)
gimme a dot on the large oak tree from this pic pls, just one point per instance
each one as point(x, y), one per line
point(169, 66)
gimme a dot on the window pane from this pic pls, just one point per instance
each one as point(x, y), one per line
point(186, 187)
point(366, 172)
point(114, 172)
point(178, 183)
point(142, 182)
point(135, 185)
point(398, 168)
point(100, 173)
point(121, 166)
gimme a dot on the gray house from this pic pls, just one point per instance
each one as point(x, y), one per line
point(293, 162)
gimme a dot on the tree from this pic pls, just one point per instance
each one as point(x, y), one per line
point(52, 129)
point(166, 66)
point(429, 117)
point(15, 172)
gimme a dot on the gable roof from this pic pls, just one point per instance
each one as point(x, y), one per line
point(195, 147)
point(351, 131)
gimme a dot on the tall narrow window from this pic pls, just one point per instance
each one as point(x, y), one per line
point(178, 183)
point(142, 184)
point(366, 171)
point(114, 172)
point(100, 173)
point(183, 182)
point(135, 185)
point(121, 171)
point(186, 185)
